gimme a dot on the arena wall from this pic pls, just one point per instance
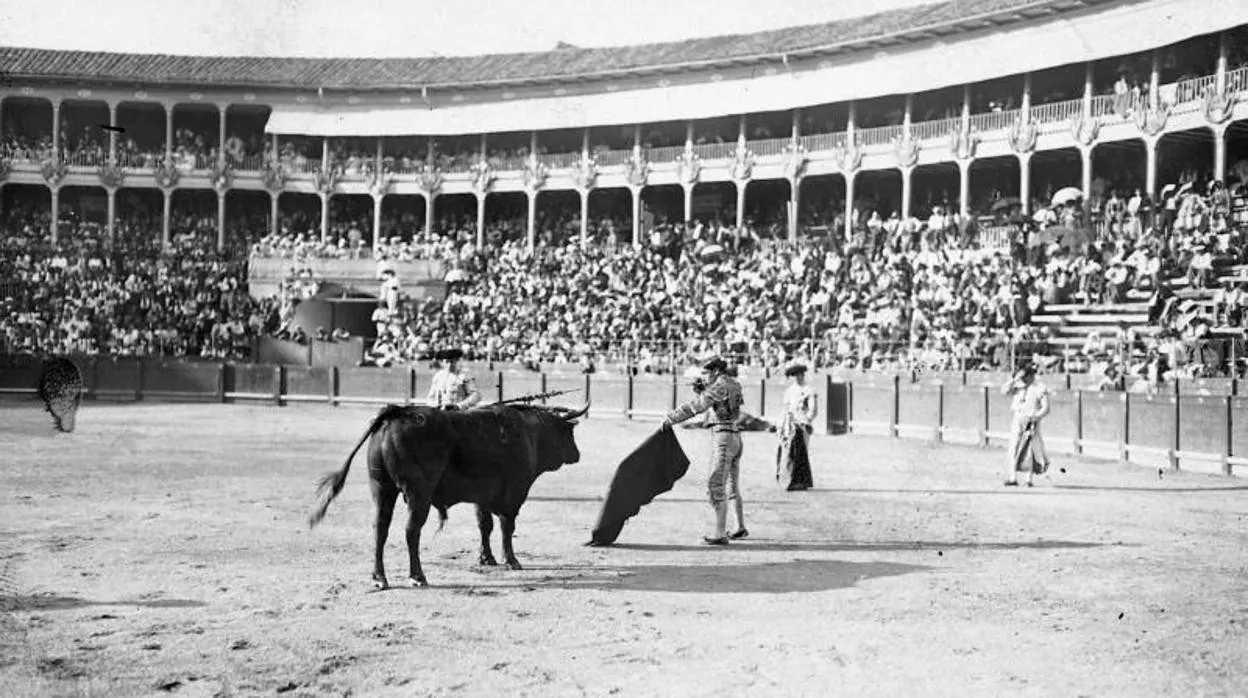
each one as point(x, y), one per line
point(1198, 425)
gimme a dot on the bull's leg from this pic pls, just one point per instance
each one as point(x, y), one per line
point(485, 522)
point(509, 555)
point(384, 496)
point(417, 512)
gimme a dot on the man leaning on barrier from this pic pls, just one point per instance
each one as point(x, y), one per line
point(452, 389)
point(723, 395)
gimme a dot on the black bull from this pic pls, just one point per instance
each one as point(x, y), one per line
point(488, 456)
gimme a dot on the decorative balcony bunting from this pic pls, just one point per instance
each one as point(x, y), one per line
point(585, 173)
point(1084, 131)
point(167, 174)
point(274, 177)
point(906, 151)
point(325, 180)
point(638, 171)
point(1218, 106)
point(1152, 121)
point(848, 157)
point(535, 173)
point(795, 161)
point(54, 170)
point(111, 176)
point(378, 183)
point(222, 177)
point(482, 176)
point(963, 143)
point(742, 164)
point(1023, 136)
point(429, 179)
point(688, 167)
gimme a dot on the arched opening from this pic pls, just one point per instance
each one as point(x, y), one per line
point(299, 215)
point(245, 142)
point(455, 217)
point(715, 204)
point(196, 136)
point(139, 220)
point(993, 180)
point(1185, 156)
point(611, 216)
point(558, 217)
point(193, 218)
point(1052, 170)
point(662, 204)
point(84, 143)
point(766, 206)
point(82, 214)
point(404, 154)
point(1118, 170)
point(141, 144)
point(402, 216)
point(822, 213)
point(26, 211)
point(350, 222)
point(935, 185)
point(246, 218)
point(300, 154)
point(878, 193)
point(26, 125)
point(506, 217)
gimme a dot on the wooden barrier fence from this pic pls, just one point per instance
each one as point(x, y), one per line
point(1194, 426)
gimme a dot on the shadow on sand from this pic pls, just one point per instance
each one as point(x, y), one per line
point(1160, 489)
point(67, 603)
point(755, 544)
point(796, 576)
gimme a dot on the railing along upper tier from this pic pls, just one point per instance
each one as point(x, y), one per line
point(1183, 97)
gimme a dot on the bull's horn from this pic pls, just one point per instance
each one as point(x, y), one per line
point(575, 414)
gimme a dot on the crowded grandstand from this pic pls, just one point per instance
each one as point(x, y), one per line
point(1089, 216)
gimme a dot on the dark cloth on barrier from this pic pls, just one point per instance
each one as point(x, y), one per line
point(793, 461)
point(1025, 454)
point(647, 472)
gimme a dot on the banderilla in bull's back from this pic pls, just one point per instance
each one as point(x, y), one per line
point(526, 399)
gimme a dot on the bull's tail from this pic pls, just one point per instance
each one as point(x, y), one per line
point(330, 486)
point(441, 517)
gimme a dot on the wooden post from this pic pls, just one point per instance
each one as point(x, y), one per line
point(411, 384)
point(1078, 422)
point(1123, 454)
point(280, 387)
point(588, 385)
point(940, 412)
point(983, 435)
point(138, 388)
point(827, 405)
point(221, 381)
point(762, 395)
point(675, 397)
point(500, 386)
point(893, 430)
point(628, 408)
point(1230, 435)
point(1174, 440)
point(543, 390)
point(331, 386)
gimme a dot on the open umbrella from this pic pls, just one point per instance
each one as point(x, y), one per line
point(1006, 203)
point(1065, 196)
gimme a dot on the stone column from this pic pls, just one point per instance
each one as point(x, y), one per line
point(907, 191)
point(688, 189)
point(531, 230)
point(377, 201)
point(112, 143)
point(56, 214)
point(907, 116)
point(481, 219)
point(795, 198)
point(1154, 81)
point(1223, 50)
point(169, 130)
point(274, 213)
point(584, 215)
point(1219, 151)
point(849, 205)
point(221, 219)
point(324, 153)
point(112, 214)
point(429, 199)
point(1150, 172)
point(1088, 77)
point(165, 222)
point(1026, 105)
point(223, 110)
point(966, 107)
point(324, 218)
point(1085, 156)
point(964, 187)
point(1024, 181)
point(741, 201)
point(636, 192)
point(56, 129)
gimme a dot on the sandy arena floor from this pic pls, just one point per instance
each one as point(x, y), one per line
point(163, 550)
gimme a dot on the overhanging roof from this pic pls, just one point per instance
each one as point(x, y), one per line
point(892, 28)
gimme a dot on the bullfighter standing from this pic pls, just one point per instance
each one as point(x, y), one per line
point(452, 389)
point(724, 397)
point(1030, 404)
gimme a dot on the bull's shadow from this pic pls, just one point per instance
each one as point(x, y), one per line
point(795, 576)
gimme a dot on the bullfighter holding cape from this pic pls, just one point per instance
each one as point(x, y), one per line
point(801, 406)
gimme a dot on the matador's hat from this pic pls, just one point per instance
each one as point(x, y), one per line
point(449, 355)
point(714, 363)
point(795, 368)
